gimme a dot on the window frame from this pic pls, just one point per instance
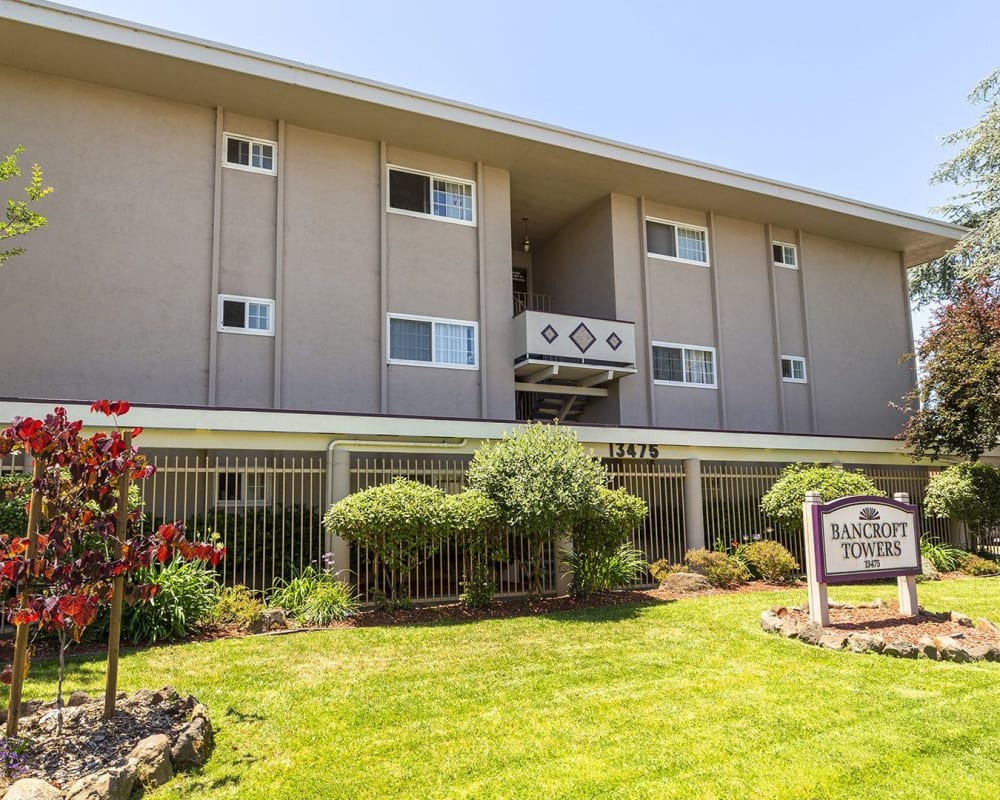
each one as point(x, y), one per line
point(226, 136)
point(431, 176)
point(675, 225)
point(223, 328)
point(792, 360)
point(243, 502)
point(433, 322)
point(795, 251)
point(685, 348)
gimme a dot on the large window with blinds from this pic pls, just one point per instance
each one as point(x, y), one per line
point(433, 342)
point(684, 365)
point(676, 242)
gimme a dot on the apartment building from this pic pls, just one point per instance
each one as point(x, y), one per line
point(273, 259)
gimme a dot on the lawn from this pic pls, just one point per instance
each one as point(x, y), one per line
point(688, 699)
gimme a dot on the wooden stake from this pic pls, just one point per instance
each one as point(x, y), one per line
point(117, 592)
point(21, 640)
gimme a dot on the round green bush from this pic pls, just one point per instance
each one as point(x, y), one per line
point(770, 561)
point(968, 492)
point(783, 501)
point(720, 569)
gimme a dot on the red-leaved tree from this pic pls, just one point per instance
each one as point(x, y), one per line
point(82, 538)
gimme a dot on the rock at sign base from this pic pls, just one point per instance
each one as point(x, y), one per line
point(901, 650)
point(811, 633)
point(152, 760)
point(833, 641)
point(770, 622)
point(32, 789)
point(950, 650)
point(961, 619)
point(926, 646)
point(865, 643)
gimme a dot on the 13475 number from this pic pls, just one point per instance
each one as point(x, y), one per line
point(624, 450)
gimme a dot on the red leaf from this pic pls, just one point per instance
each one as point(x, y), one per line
point(25, 617)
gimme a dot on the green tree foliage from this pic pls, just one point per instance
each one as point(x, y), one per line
point(783, 501)
point(401, 523)
point(21, 218)
point(598, 539)
point(478, 524)
point(968, 492)
point(977, 167)
point(543, 481)
point(956, 406)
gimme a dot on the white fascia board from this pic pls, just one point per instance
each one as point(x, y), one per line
point(233, 429)
point(202, 51)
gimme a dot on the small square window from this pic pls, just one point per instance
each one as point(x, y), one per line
point(254, 155)
point(246, 315)
point(785, 255)
point(793, 369)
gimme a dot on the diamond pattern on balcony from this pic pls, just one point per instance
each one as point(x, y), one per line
point(614, 341)
point(582, 337)
point(550, 334)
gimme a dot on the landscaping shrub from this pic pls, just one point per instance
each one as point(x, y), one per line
point(237, 605)
point(186, 598)
point(601, 558)
point(478, 525)
point(15, 492)
point(769, 561)
point(944, 556)
point(968, 492)
point(662, 568)
point(402, 523)
point(976, 565)
point(314, 597)
point(719, 568)
point(783, 501)
point(543, 481)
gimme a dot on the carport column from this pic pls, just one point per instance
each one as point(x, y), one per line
point(694, 513)
point(340, 487)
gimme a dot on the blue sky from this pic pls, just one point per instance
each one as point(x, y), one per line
point(846, 97)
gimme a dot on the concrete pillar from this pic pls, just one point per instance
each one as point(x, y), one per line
point(694, 512)
point(340, 486)
point(819, 605)
point(907, 584)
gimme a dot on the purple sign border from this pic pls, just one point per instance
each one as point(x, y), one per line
point(866, 575)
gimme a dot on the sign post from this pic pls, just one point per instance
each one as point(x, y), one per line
point(860, 538)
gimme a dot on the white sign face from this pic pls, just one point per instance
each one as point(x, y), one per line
point(862, 538)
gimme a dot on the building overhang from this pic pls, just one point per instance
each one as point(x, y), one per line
point(220, 429)
point(555, 173)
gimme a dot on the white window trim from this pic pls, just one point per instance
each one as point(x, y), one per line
point(689, 385)
point(781, 263)
point(243, 502)
point(430, 215)
point(246, 167)
point(708, 256)
point(432, 363)
point(243, 299)
point(805, 374)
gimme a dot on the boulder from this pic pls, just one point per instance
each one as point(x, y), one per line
point(685, 582)
point(152, 760)
point(71, 718)
point(770, 622)
point(987, 626)
point(192, 745)
point(865, 643)
point(32, 789)
point(983, 652)
point(811, 633)
point(789, 628)
point(834, 640)
point(113, 783)
point(950, 650)
point(78, 699)
point(961, 619)
point(271, 619)
point(900, 650)
point(928, 571)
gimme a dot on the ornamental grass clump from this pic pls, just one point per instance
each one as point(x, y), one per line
point(944, 556)
point(315, 596)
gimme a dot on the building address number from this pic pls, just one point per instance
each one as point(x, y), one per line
point(632, 450)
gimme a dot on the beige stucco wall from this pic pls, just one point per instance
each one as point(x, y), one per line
point(855, 297)
point(113, 298)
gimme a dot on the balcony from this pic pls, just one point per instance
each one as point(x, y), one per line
point(569, 353)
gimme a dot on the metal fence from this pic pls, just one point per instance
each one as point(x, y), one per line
point(731, 494)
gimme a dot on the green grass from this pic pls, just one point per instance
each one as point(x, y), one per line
point(688, 699)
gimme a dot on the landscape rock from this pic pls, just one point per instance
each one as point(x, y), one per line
point(685, 582)
point(193, 744)
point(983, 652)
point(950, 650)
point(32, 789)
point(78, 698)
point(834, 640)
point(928, 571)
point(114, 783)
point(927, 648)
point(71, 717)
point(271, 619)
point(878, 602)
point(900, 650)
point(961, 619)
point(865, 643)
point(770, 622)
point(152, 760)
point(987, 626)
point(789, 628)
point(811, 633)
